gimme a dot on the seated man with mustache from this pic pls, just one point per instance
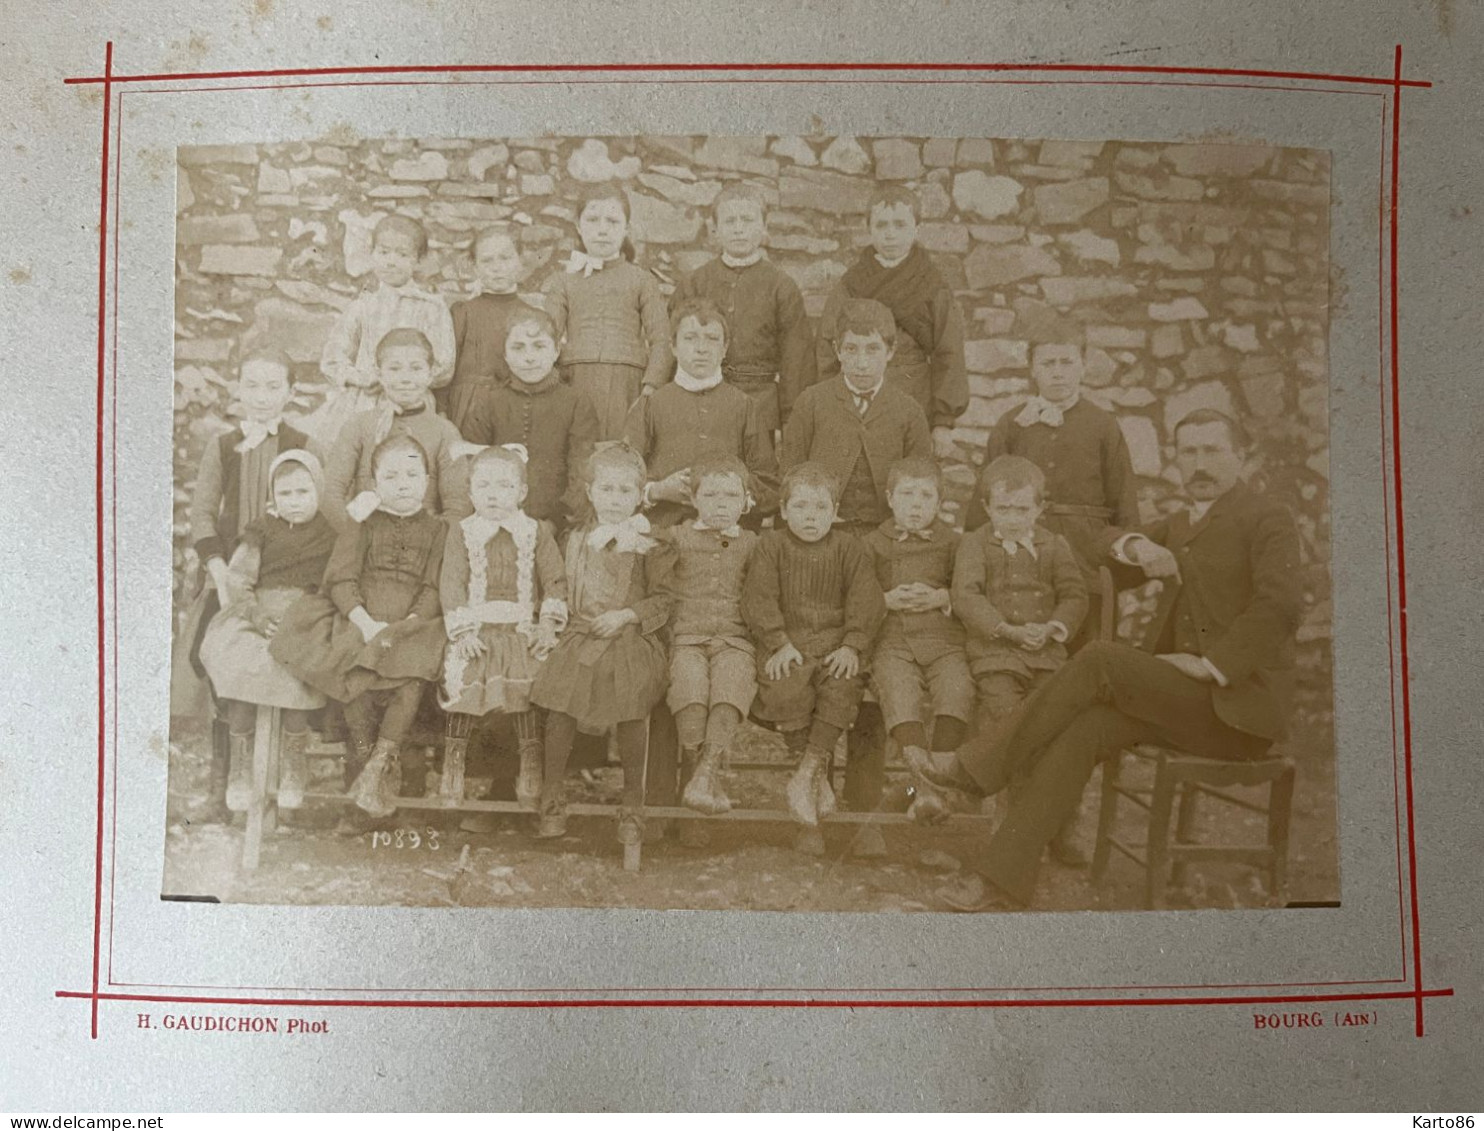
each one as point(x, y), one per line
point(1216, 686)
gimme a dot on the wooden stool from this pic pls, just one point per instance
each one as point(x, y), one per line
point(1183, 778)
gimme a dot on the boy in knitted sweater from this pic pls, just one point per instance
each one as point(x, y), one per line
point(811, 600)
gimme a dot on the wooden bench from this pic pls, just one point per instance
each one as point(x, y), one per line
point(262, 813)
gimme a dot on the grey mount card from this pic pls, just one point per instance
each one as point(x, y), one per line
point(652, 560)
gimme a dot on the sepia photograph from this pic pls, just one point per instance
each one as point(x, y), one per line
point(779, 523)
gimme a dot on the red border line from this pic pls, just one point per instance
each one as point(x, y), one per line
point(1401, 541)
point(1417, 992)
point(642, 68)
point(98, 502)
point(1391, 664)
point(113, 816)
point(754, 1003)
point(780, 82)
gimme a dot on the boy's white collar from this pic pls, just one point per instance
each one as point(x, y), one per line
point(890, 263)
point(696, 384)
point(869, 394)
point(745, 260)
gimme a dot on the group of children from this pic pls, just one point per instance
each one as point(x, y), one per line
point(601, 513)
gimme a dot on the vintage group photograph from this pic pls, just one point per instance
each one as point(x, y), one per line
point(776, 523)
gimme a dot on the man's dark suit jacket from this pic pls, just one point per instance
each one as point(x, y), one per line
point(1238, 604)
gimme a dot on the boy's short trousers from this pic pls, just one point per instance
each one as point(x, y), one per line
point(909, 692)
point(720, 670)
point(808, 692)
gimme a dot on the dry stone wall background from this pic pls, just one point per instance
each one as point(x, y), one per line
point(1200, 271)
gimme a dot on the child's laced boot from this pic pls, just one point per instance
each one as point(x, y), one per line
point(293, 770)
point(379, 781)
point(704, 792)
point(551, 819)
point(239, 773)
point(216, 811)
point(451, 779)
point(528, 779)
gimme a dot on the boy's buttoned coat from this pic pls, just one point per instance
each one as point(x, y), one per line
point(826, 427)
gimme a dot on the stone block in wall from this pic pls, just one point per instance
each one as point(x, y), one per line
point(272, 179)
point(1282, 192)
point(1035, 319)
point(1135, 396)
point(292, 327)
point(952, 238)
point(699, 194)
point(896, 159)
point(1135, 157)
point(797, 150)
point(485, 158)
point(1045, 172)
point(1178, 310)
point(1313, 406)
point(797, 241)
point(590, 163)
point(1071, 154)
point(1206, 361)
point(1159, 188)
point(847, 155)
point(1208, 394)
point(984, 411)
point(1116, 337)
point(1199, 257)
point(995, 320)
point(1203, 160)
point(529, 161)
point(1142, 437)
point(428, 165)
point(933, 201)
point(239, 259)
point(991, 355)
point(355, 247)
point(1074, 289)
point(312, 294)
point(1263, 392)
point(985, 195)
point(1241, 337)
point(997, 233)
point(940, 152)
point(231, 227)
point(1097, 367)
point(975, 151)
point(202, 349)
point(1168, 341)
point(1089, 247)
point(184, 196)
point(1070, 201)
point(399, 192)
point(821, 191)
point(993, 266)
point(739, 154)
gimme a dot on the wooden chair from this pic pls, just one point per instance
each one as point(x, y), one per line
point(1179, 780)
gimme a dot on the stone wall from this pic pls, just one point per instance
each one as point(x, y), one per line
point(1201, 272)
